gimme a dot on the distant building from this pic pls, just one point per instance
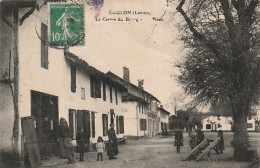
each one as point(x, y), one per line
point(163, 118)
point(224, 123)
point(141, 107)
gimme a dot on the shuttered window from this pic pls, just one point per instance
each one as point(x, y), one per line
point(95, 87)
point(105, 124)
point(44, 47)
point(72, 123)
point(143, 124)
point(93, 124)
point(104, 92)
point(121, 123)
point(73, 78)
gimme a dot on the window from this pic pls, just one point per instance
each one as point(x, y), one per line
point(73, 78)
point(140, 108)
point(116, 97)
point(83, 93)
point(72, 123)
point(104, 92)
point(142, 124)
point(120, 124)
point(105, 124)
point(95, 87)
point(111, 96)
point(249, 125)
point(93, 125)
point(44, 47)
point(208, 126)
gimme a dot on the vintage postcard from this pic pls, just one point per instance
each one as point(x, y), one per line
point(129, 83)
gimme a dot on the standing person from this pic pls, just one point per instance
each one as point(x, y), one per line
point(221, 146)
point(200, 136)
point(178, 140)
point(193, 142)
point(81, 143)
point(112, 143)
point(100, 147)
point(65, 144)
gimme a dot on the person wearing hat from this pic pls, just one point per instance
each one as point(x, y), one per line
point(112, 149)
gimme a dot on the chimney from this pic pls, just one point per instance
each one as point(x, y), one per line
point(126, 74)
point(141, 83)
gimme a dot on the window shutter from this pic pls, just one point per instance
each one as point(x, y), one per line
point(44, 47)
point(104, 92)
point(93, 124)
point(73, 78)
point(91, 87)
point(117, 125)
point(116, 97)
point(97, 88)
point(105, 124)
point(111, 96)
point(71, 123)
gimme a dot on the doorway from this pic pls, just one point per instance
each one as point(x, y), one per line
point(44, 108)
point(83, 121)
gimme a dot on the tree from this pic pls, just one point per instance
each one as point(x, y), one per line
point(175, 101)
point(222, 64)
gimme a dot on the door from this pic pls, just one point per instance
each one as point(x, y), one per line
point(44, 108)
point(31, 142)
point(83, 121)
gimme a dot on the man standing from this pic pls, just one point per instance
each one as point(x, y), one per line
point(112, 143)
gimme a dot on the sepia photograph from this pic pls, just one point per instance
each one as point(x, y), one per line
point(130, 83)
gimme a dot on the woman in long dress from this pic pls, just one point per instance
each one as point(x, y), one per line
point(65, 142)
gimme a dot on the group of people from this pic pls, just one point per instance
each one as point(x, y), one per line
point(67, 149)
point(196, 140)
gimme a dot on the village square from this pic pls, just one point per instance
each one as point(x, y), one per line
point(100, 83)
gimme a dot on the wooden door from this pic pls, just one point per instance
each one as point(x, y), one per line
point(31, 142)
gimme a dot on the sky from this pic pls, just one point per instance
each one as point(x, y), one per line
point(148, 48)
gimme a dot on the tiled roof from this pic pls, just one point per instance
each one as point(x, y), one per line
point(130, 97)
point(92, 71)
point(163, 110)
point(123, 81)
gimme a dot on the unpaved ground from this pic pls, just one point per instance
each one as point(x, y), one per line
point(157, 152)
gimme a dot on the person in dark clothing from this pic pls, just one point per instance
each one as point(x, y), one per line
point(193, 142)
point(81, 143)
point(178, 140)
point(221, 146)
point(65, 143)
point(112, 149)
point(200, 136)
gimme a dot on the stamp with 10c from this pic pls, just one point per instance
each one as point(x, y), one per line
point(66, 24)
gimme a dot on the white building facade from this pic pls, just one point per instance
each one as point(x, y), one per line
point(224, 123)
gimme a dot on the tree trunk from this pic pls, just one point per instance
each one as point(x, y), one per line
point(240, 136)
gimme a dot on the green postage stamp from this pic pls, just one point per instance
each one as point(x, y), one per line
point(66, 24)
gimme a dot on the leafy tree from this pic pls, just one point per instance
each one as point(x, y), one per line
point(223, 64)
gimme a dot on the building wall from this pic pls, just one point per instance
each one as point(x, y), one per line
point(132, 120)
point(56, 79)
point(224, 122)
point(7, 49)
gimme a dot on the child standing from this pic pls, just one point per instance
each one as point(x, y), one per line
point(100, 146)
point(193, 142)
